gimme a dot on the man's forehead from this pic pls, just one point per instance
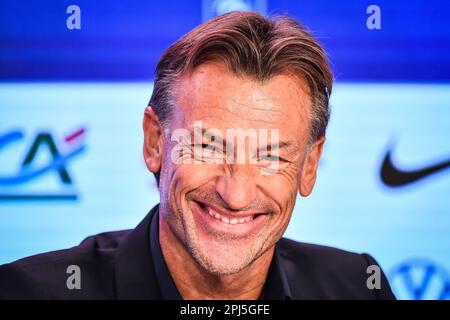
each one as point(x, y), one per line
point(213, 87)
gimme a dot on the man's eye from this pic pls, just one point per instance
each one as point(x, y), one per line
point(203, 146)
point(272, 158)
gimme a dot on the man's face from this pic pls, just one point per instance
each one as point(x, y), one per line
point(228, 214)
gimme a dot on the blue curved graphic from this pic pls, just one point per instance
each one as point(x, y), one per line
point(28, 174)
point(10, 137)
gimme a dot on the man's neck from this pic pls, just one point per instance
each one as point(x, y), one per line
point(194, 282)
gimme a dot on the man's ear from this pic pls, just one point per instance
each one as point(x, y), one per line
point(153, 140)
point(309, 171)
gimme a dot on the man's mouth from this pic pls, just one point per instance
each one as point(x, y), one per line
point(233, 218)
point(226, 220)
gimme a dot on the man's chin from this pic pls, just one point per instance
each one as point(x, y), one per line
point(222, 259)
point(220, 268)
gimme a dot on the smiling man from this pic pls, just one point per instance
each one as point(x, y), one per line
point(233, 132)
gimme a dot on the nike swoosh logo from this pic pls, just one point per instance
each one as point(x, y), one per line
point(393, 176)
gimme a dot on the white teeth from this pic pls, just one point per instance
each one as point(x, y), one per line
point(217, 216)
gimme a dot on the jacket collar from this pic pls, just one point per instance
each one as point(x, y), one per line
point(166, 284)
point(134, 272)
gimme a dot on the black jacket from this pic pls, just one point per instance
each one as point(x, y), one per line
point(118, 265)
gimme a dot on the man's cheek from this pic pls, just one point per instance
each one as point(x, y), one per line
point(283, 191)
point(189, 177)
point(285, 181)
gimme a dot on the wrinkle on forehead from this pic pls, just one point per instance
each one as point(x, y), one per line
point(213, 92)
point(260, 108)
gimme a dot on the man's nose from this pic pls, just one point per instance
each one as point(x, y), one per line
point(238, 189)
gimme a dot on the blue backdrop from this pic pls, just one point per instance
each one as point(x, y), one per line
point(71, 103)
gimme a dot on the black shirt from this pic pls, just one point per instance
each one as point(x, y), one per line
point(129, 265)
